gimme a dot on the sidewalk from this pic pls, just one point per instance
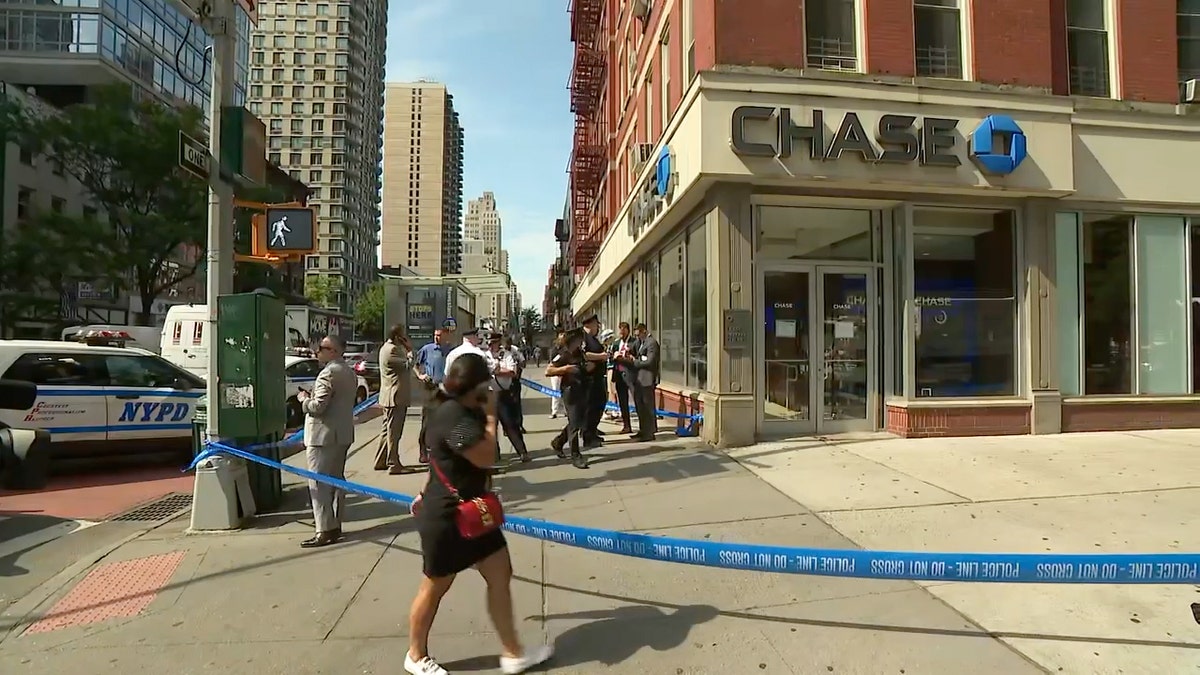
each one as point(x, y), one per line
point(252, 601)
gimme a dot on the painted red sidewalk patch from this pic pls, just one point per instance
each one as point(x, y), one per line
point(118, 590)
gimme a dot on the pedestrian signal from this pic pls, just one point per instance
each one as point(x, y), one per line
point(288, 231)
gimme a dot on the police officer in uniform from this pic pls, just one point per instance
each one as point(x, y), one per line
point(566, 363)
point(596, 370)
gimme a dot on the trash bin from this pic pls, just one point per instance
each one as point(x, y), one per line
point(266, 483)
point(24, 458)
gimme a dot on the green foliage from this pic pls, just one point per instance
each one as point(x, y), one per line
point(44, 255)
point(320, 289)
point(368, 312)
point(124, 151)
point(530, 323)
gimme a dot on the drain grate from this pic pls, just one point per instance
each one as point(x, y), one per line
point(158, 510)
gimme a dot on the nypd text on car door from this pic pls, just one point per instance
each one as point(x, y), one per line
point(149, 398)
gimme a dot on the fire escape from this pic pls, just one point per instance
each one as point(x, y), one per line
point(588, 154)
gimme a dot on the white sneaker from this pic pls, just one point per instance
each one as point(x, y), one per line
point(426, 666)
point(533, 656)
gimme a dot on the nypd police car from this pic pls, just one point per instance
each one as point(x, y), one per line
point(301, 373)
point(102, 401)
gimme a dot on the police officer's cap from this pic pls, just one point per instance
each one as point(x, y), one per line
point(494, 337)
point(591, 318)
point(470, 331)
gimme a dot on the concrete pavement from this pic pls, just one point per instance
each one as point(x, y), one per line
point(252, 601)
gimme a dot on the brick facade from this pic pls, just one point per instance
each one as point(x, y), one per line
point(889, 47)
point(928, 422)
point(1013, 42)
point(1130, 416)
point(1147, 51)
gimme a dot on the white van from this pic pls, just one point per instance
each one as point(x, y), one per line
point(185, 338)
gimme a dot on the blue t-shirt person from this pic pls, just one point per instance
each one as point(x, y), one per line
point(431, 359)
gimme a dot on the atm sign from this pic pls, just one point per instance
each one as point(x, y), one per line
point(155, 412)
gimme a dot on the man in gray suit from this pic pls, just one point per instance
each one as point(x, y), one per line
point(395, 395)
point(646, 371)
point(328, 434)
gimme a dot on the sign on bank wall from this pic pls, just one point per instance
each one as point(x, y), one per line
point(997, 145)
point(653, 194)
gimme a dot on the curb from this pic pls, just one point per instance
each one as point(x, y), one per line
point(22, 611)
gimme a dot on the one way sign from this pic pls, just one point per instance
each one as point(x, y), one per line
point(194, 157)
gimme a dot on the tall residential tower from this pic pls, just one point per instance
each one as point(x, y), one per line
point(423, 171)
point(482, 222)
point(316, 79)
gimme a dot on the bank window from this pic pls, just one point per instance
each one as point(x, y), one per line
point(937, 29)
point(831, 40)
point(651, 318)
point(1188, 29)
point(689, 43)
point(1132, 275)
point(697, 306)
point(1087, 48)
point(965, 303)
point(672, 322)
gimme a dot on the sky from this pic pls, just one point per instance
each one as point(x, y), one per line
point(507, 65)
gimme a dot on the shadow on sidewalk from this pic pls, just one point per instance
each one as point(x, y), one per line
point(612, 636)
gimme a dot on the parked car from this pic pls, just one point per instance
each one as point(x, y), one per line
point(301, 372)
point(367, 367)
point(103, 402)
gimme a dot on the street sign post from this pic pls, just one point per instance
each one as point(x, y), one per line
point(194, 157)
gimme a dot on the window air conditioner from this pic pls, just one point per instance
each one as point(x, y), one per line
point(1189, 91)
point(641, 9)
point(639, 154)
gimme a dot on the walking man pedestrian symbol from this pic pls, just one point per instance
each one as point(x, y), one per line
point(279, 230)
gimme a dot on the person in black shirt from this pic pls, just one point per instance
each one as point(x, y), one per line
point(566, 363)
point(596, 370)
point(461, 438)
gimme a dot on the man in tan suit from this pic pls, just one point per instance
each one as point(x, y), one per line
point(395, 395)
point(328, 434)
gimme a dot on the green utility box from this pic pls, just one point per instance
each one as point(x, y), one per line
point(250, 349)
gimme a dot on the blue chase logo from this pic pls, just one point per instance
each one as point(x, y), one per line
point(998, 145)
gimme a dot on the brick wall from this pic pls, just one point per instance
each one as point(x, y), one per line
point(1013, 42)
point(925, 422)
point(889, 38)
point(1147, 49)
point(1128, 416)
point(759, 33)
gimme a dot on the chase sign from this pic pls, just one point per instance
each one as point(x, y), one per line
point(998, 145)
point(654, 193)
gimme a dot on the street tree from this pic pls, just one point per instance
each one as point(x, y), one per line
point(530, 323)
point(43, 256)
point(368, 312)
point(124, 151)
point(320, 289)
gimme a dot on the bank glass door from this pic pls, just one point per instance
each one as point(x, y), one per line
point(817, 374)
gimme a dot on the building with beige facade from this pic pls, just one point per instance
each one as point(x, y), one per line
point(482, 222)
point(316, 80)
point(423, 174)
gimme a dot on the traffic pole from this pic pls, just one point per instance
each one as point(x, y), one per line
point(214, 498)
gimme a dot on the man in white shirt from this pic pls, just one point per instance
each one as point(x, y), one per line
point(471, 342)
point(506, 373)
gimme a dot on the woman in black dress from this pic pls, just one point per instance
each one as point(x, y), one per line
point(461, 438)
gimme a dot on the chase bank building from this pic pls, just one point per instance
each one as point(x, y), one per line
point(821, 255)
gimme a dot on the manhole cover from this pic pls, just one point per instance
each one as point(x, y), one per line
point(158, 510)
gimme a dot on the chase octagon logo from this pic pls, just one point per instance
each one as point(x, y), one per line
point(998, 145)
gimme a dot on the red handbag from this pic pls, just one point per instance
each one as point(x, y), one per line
point(475, 517)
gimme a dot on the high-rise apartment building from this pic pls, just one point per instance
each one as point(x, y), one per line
point(423, 171)
point(482, 222)
point(316, 79)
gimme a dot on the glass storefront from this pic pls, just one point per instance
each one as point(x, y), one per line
point(1125, 320)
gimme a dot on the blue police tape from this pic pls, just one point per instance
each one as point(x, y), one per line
point(294, 438)
point(687, 430)
point(1031, 568)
